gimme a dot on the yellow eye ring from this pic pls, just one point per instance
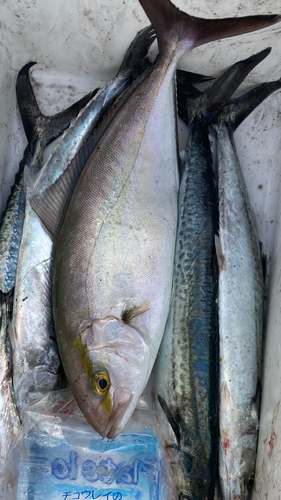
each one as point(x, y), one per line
point(100, 383)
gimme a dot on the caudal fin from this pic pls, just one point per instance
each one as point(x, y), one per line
point(28, 106)
point(32, 116)
point(238, 109)
point(213, 100)
point(174, 27)
point(183, 76)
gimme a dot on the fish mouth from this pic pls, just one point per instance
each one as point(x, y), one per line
point(121, 401)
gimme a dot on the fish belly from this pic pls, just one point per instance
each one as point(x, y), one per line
point(35, 354)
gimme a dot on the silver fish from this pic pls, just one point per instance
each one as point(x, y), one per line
point(114, 247)
point(240, 307)
point(36, 361)
point(39, 134)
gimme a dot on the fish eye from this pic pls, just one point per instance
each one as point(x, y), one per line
point(100, 383)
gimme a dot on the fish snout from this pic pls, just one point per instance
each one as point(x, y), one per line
point(121, 401)
point(107, 420)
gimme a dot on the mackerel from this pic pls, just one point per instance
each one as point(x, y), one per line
point(186, 368)
point(114, 244)
point(187, 364)
point(240, 306)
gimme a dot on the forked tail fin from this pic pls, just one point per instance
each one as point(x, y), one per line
point(174, 26)
point(213, 100)
point(32, 116)
point(238, 109)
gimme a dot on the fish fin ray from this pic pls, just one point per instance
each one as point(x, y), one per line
point(240, 108)
point(187, 76)
point(49, 206)
point(219, 93)
point(28, 107)
point(173, 423)
point(129, 314)
point(60, 122)
point(172, 24)
point(212, 101)
point(225, 396)
point(34, 121)
point(135, 59)
point(219, 252)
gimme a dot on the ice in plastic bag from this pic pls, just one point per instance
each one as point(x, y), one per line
point(60, 457)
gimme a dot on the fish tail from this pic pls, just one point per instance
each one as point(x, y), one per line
point(135, 60)
point(174, 26)
point(28, 107)
point(33, 119)
point(241, 107)
point(184, 77)
point(186, 90)
point(216, 97)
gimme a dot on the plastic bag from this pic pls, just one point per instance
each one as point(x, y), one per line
point(60, 457)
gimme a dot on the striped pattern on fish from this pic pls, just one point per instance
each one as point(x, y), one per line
point(187, 364)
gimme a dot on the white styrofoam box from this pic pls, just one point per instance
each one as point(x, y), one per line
point(79, 45)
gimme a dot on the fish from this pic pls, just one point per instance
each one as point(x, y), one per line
point(240, 306)
point(40, 131)
point(114, 244)
point(36, 361)
point(10, 424)
point(10, 236)
point(187, 367)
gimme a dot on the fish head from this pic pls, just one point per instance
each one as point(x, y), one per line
point(115, 363)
